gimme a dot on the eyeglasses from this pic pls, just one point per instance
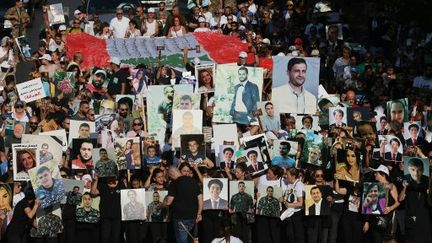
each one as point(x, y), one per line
point(124, 109)
point(119, 13)
point(19, 107)
point(319, 175)
point(137, 124)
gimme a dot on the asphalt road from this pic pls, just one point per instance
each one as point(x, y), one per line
point(24, 68)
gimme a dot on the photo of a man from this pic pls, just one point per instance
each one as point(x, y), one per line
point(133, 209)
point(227, 156)
point(44, 154)
point(50, 190)
point(246, 96)
point(83, 159)
point(268, 205)
point(292, 97)
point(339, 118)
point(192, 149)
point(415, 170)
point(242, 201)
point(283, 159)
point(215, 201)
point(314, 155)
point(156, 211)
point(270, 121)
point(254, 165)
point(415, 138)
point(397, 110)
point(105, 167)
point(393, 154)
point(165, 108)
point(186, 122)
point(320, 206)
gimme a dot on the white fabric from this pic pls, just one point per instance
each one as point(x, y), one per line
point(222, 240)
point(119, 27)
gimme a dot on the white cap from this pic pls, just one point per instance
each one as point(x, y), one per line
point(196, 61)
point(151, 10)
point(243, 54)
point(266, 41)
point(383, 169)
point(242, 27)
point(280, 54)
point(100, 71)
point(115, 60)
point(46, 57)
point(315, 52)
point(87, 177)
point(292, 48)
point(76, 12)
point(294, 53)
point(62, 27)
point(201, 20)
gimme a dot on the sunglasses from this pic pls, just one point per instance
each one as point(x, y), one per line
point(137, 124)
point(319, 175)
point(124, 109)
point(19, 107)
point(33, 123)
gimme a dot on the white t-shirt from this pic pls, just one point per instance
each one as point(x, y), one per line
point(222, 240)
point(293, 191)
point(119, 27)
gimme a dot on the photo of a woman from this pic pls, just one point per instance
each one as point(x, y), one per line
point(139, 81)
point(26, 159)
point(205, 81)
point(351, 170)
point(129, 154)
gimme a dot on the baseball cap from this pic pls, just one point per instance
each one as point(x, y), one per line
point(383, 169)
point(115, 60)
point(266, 41)
point(151, 10)
point(46, 57)
point(201, 20)
point(100, 71)
point(62, 27)
point(196, 61)
point(76, 12)
point(243, 54)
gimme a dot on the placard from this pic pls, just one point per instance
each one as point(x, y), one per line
point(31, 90)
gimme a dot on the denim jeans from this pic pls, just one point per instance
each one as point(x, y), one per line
point(180, 233)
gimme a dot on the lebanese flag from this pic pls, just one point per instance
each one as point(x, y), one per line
point(214, 47)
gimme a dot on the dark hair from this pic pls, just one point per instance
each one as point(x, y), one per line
point(277, 170)
point(229, 149)
point(102, 150)
point(416, 162)
point(244, 69)
point(42, 169)
point(338, 111)
point(307, 117)
point(85, 124)
point(186, 97)
point(215, 181)
point(241, 182)
point(294, 172)
point(252, 152)
point(155, 172)
point(395, 140)
point(413, 125)
point(313, 188)
point(268, 103)
point(357, 155)
point(286, 143)
point(294, 61)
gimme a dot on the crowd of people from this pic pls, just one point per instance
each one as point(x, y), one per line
point(351, 164)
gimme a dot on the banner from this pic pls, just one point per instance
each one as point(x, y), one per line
point(31, 90)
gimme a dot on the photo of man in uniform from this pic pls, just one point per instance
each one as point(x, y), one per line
point(51, 191)
point(44, 154)
point(105, 167)
point(246, 96)
point(156, 212)
point(133, 210)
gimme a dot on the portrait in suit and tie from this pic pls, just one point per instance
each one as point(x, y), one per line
point(382, 126)
point(254, 165)
point(246, 96)
point(394, 153)
point(227, 158)
point(319, 206)
point(213, 191)
point(337, 117)
point(415, 137)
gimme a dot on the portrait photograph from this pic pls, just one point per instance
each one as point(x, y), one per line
point(348, 165)
point(338, 117)
point(284, 153)
point(151, 150)
point(374, 198)
point(88, 210)
point(269, 116)
point(186, 101)
point(24, 157)
point(130, 148)
point(312, 153)
point(139, 80)
point(397, 110)
point(295, 75)
point(104, 160)
point(413, 134)
point(215, 194)
point(155, 210)
point(74, 190)
point(393, 148)
point(357, 114)
point(224, 134)
point(416, 171)
point(335, 30)
point(254, 160)
point(6, 194)
point(185, 122)
point(133, 204)
point(193, 149)
point(205, 74)
point(159, 108)
point(81, 153)
point(47, 184)
point(241, 194)
point(49, 147)
point(316, 203)
point(307, 122)
point(367, 131)
point(268, 201)
point(229, 88)
point(82, 129)
point(55, 14)
point(258, 141)
point(226, 157)
point(51, 215)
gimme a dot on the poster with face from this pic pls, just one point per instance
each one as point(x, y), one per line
point(413, 134)
point(151, 150)
point(205, 74)
point(254, 160)
point(74, 190)
point(159, 108)
point(374, 198)
point(268, 201)
point(241, 194)
point(215, 193)
point(81, 154)
point(226, 157)
point(105, 162)
point(6, 194)
point(397, 110)
point(88, 210)
point(224, 134)
point(366, 130)
point(155, 210)
point(186, 101)
point(307, 122)
point(49, 147)
point(393, 148)
point(334, 32)
point(81, 129)
point(269, 116)
point(47, 184)
point(338, 116)
point(348, 165)
point(132, 204)
point(131, 150)
point(139, 81)
point(284, 153)
point(416, 171)
point(186, 122)
point(316, 203)
point(192, 148)
point(295, 75)
point(358, 114)
point(237, 91)
point(25, 157)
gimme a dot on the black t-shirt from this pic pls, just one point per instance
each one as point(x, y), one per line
point(115, 83)
point(19, 220)
point(110, 200)
point(185, 191)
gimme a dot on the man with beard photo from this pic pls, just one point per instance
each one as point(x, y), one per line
point(84, 157)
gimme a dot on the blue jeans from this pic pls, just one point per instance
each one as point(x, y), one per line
point(180, 233)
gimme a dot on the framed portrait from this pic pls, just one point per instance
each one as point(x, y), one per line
point(229, 87)
point(413, 134)
point(268, 201)
point(133, 204)
point(374, 198)
point(130, 149)
point(241, 194)
point(49, 147)
point(307, 122)
point(226, 157)
point(316, 203)
point(82, 129)
point(338, 117)
point(24, 157)
point(348, 165)
point(104, 160)
point(205, 75)
point(81, 153)
point(56, 14)
point(139, 81)
point(357, 114)
point(186, 122)
point(159, 108)
point(286, 81)
point(73, 189)
point(284, 153)
point(334, 29)
point(215, 194)
point(397, 110)
point(224, 134)
point(269, 116)
point(416, 171)
point(193, 149)
point(47, 184)
point(151, 150)
point(155, 212)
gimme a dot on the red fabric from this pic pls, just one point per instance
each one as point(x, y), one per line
point(93, 49)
